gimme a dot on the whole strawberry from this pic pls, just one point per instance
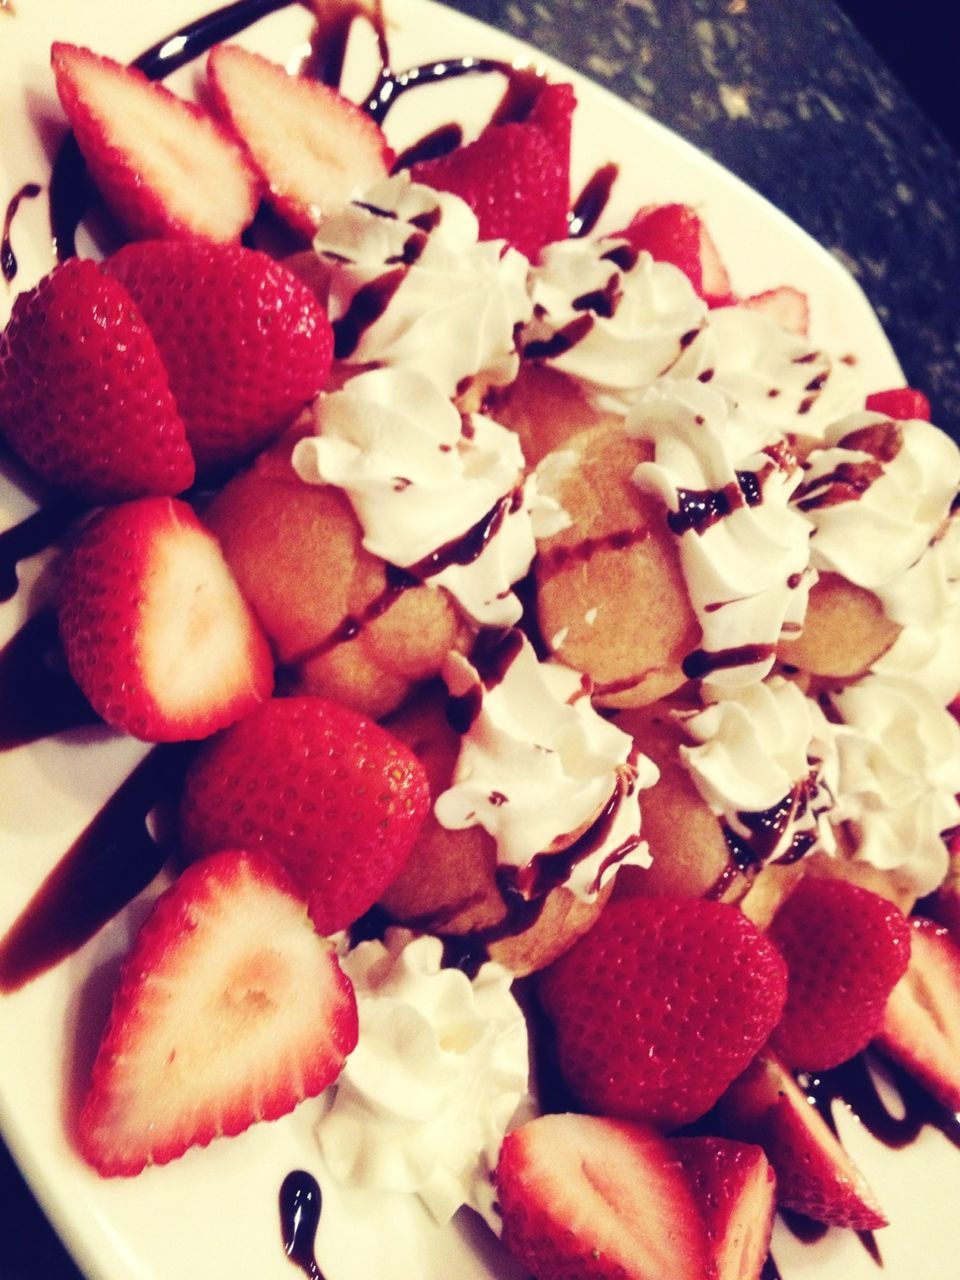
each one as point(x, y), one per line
point(84, 395)
point(661, 1005)
point(333, 796)
point(246, 344)
point(846, 949)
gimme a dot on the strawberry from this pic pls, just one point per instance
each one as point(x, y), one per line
point(815, 1176)
point(676, 233)
point(84, 396)
point(846, 948)
point(921, 1025)
point(164, 166)
point(661, 1005)
point(313, 147)
point(514, 179)
point(586, 1198)
point(552, 113)
point(901, 403)
point(155, 630)
point(735, 1187)
point(245, 342)
point(230, 1009)
point(333, 796)
point(786, 306)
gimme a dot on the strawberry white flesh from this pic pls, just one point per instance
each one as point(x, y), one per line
point(921, 1027)
point(593, 1197)
point(165, 166)
point(230, 1009)
point(785, 306)
point(735, 1188)
point(313, 147)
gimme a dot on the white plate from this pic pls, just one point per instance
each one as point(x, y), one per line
point(214, 1213)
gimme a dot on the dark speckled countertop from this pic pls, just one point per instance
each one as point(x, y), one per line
point(798, 104)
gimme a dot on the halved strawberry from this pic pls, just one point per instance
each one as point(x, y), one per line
point(246, 344)
point(230, 1009)
point(785, 306)
point(846, 949)
point(902, 403)
point(334, 797)
point(84, 395)
point(155, 630)
point(735, 1188)
point(815, 1176)
point(676, 233)
point(165, 166)
point(586, 1198)
point(313, 147)
point(921, 1025)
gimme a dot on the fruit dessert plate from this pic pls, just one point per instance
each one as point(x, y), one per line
point(251, 1204)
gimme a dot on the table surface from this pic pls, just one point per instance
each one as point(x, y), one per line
point(796, 102)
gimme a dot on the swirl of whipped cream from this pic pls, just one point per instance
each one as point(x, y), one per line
point(774, 376)
point(438, 1074)
point(548, 778)
point(410, 284)
point(877, 496)
point(743, 551)
point(899, 769)
point(766, 764)
point(610, 316)
point(437, 493)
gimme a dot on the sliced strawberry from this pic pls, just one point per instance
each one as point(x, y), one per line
point(515, 181)
point(165, 166)
point(155, 630)
point(230, 1009)
point(786, 306)
point(846, 949)
point(333, 796)
point(676, 233)
point(552, 114)
point(815, 1176)
point(901, 403)
point(943, 905)
point(245, 342)
point(84, 396)
point(313, 147)
point(586, 1198)
point(921, 1027)
point(735, 1187)
point(661, 1005)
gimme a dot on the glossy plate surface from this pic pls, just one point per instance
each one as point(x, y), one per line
point(214, 1214)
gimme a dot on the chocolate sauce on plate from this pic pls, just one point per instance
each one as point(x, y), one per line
point(8, 260)
point(300, 1205)
point(37, 695)
point(34, 534)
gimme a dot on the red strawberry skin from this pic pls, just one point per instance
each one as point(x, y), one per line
point(153, 625)
point(675, 233)
point(229, 1009)
point(333, 796)
point(246, 344)
point(661, 1005)
point(84, 396)
point(735, 1187)
point(846, 948)
point(901, 403)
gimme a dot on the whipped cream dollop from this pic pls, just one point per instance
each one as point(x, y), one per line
point(878, 495)
point(610, 316)
point(438, 1074)
point(774, 376)
point(766, 764)
point(899, 771)
point(554, 783)
point(410, 284)
point(743, 550)
point(440, 494)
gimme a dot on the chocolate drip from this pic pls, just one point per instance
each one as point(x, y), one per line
point(8, 260)
point(555, 558)
point(590, 203)
point(701, 663)
point(561, 341)
point(494, 653)
point(196, 38)
point(34, 534)
point(114, 859)
point(300, 1205)
point(847, 482)
point(469, 546)
point(759, 833)
point(37, 695)
point(393, 84)
point(602, 302)
point(366, 307)
point(699, 509)
point(439, 142)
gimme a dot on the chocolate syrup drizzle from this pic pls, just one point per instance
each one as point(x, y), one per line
point(8, 260)
point(300, 1205)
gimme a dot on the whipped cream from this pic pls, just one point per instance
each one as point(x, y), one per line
point(773, 376)
point(410, 284)
point(877, 496)
point(438, 493)
point(766, 764)
point(743, 551)
point(899, 768)
point(543, 773)
point(438, 1074)
point(609, 316)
